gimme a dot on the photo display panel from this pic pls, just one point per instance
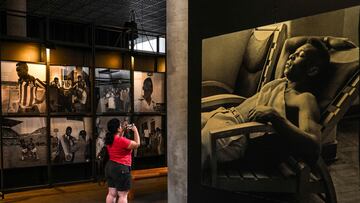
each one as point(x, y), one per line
point(69, 89)
point(152, 137)
point(23, 87)
point(71, 139)
point(113, 90)
point(101, 128)
point(24, 141)
point(296, 77)
point(149, 92)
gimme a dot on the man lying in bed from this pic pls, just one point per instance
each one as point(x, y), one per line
point(287, 103)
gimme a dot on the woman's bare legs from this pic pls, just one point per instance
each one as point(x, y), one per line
point(111, 196)
point(122, 196)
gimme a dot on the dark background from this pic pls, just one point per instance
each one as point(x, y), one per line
point(212, 18)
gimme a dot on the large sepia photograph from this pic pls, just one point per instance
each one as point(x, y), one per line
point(24, 141)
point(280, 109)
point(112, 89)
point(71, 139)
point(69, 89)
point(149, 92)
point(23, 87)
point(152, 136)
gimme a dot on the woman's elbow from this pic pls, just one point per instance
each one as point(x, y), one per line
point(136, 145)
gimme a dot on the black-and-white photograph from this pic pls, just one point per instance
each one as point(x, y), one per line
point(71, 139)
point(24, 142)
point(23, 87)
point(101, 127)
point(152, 136)
point(282, 96)
point(69, 89)
point(149, 92)
point(112, 88)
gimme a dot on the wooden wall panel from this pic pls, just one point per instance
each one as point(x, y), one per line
point(108, 59)
point(21, 51)
point(161, 64)
point(70, 56)
point(144, 63)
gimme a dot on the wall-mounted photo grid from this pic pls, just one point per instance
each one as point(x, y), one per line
point(24, 141)
point(69, 89)
point(71, 139)
point(152, 137)
point(112, 90)
point(149, 92)
point(23, 87)
point(101, 128)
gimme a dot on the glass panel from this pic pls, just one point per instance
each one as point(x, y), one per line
point(162, 45)
point(23, 87)
point(145, 43)
point(24, 142)
point(112, 90)
point(101, 127)
point(69, 89)
point(151, 136)
point(70, 139)
point(149, 92)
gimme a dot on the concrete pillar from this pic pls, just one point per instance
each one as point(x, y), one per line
point(16, 18)
point(177, 94)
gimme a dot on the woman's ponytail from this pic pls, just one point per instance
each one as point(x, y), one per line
point(109, 138)
point(113, 126)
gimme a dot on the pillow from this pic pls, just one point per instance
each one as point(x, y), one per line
point(255, 53)
point(253, 63)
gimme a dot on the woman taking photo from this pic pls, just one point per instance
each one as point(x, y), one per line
point(117, 169)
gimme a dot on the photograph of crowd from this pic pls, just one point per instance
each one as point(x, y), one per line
point(70, 139)
point(23, 87)
point(24, 142)
point(101, 128)
point(151, 136)
point(69, 89)
point(149, 90)
point(112, 88)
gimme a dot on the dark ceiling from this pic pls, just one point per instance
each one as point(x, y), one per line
point(150, 15)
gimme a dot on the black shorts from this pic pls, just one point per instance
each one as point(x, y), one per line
point(118, 176)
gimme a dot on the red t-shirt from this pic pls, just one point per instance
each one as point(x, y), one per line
point(119, 152)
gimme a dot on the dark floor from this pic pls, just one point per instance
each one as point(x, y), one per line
point(344, 171)
point(81, 193)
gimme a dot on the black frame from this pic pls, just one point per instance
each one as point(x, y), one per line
point(231, 16)
point(53, 174)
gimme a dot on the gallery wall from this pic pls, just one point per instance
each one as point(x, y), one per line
point(31, 139)
point(209, 19)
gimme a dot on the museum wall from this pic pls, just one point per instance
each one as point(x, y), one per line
point(177, 92)
point(69, 103)
point(17, 51)
point(209, 20)
point(110, 59)
point(70, 56)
